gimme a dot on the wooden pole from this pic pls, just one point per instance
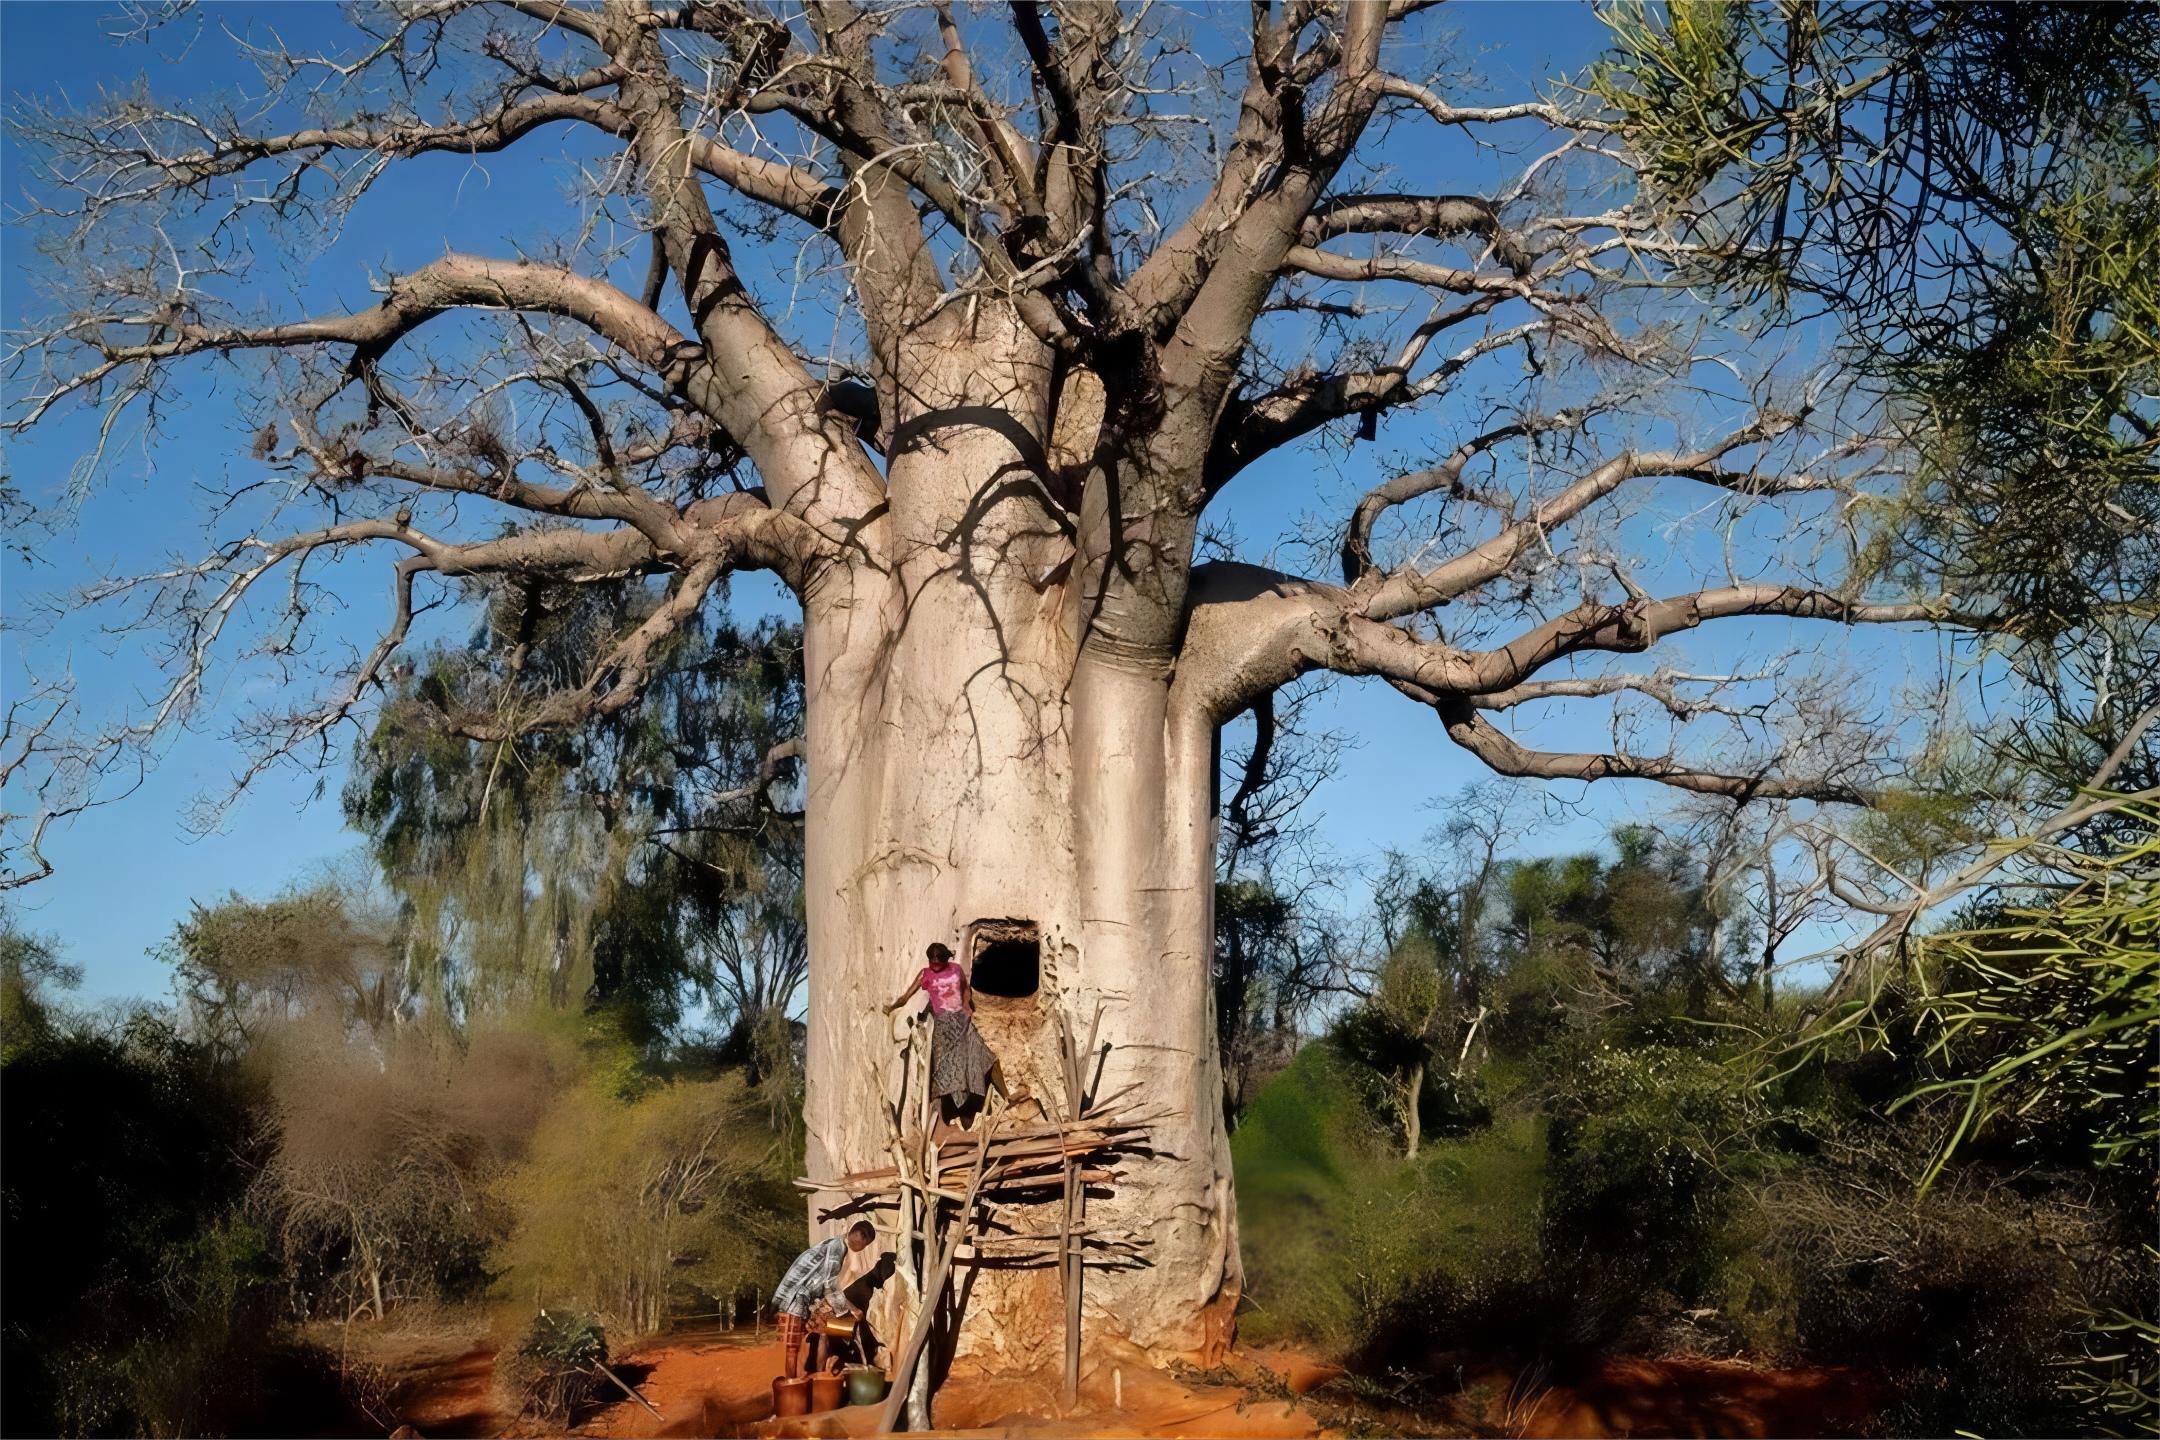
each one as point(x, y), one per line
point(919, 1334)
point(626, 1389)
point(923, 1208)
point(1075, 1201)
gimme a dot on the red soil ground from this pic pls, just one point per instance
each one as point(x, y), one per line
point(721, 1385)
point(1701, 1398)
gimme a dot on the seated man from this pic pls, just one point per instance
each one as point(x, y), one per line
point(814, 1281)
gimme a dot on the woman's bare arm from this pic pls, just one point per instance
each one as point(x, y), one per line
point(906, 995)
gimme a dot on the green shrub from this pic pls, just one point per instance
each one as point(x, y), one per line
point(1305, 1146)
point(619, 1202)
point(1349, 1247)
point(1443, 1257)
point(135, 1298)
point(1646, 1144)
point(554, 1371)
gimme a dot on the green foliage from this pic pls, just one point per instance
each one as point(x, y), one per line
point(1346, 1245)
point(1302, 1147)
point(1634, 924)
point(239, 965)
point(619, 1200)
point(2034, 1025)
point(1394, 1034)
point(30, 970)
point(554, 1370)
point(1635, 1177)
point(2048, 1015)
point(2037, 405)
point(1651, 1145)
point(1967, 190)
point(593, 868)
point(2115, 1378)
point(1675, 79)
point(1911, 831)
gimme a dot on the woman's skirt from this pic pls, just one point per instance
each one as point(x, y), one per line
point(959, 1061)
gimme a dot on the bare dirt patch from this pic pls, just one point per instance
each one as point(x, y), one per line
point(715, 1384)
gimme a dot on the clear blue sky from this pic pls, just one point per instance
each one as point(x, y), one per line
point(127, 872)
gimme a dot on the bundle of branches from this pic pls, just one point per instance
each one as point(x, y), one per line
point(555, 1370)
point(1021, 1156)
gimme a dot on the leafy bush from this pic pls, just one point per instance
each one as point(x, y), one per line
point(1442, 1259)
point(1303, 1148)
point(618, 1202)
point(1394, 1262)
point(1645, 1143)
point(553, 1372)
point(136, 1298)
point(2021, 1042)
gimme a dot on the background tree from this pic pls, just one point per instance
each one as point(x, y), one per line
point(1055, 334)
point(30, 971)
point(1278, 957)
point(241, 968)
point(648, 861)
point(1960, 188)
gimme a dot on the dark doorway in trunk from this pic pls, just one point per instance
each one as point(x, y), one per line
point(1007, 963)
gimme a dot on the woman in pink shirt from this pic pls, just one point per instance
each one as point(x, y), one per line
point(960, 1063)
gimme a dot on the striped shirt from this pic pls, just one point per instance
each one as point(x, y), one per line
point(814, 1275)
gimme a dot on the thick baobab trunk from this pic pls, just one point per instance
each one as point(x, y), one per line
point(1097, 836)
point(973, 779)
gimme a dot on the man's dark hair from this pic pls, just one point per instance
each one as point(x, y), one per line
point(863, 1228)
point(939, 950)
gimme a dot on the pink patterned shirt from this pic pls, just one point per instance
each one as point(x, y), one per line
point(942, 984)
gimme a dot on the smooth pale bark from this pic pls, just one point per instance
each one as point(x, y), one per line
point(968, 761)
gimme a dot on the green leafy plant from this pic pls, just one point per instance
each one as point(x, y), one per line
point(554, 1371)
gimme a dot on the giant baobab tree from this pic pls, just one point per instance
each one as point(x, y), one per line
point(965, 322)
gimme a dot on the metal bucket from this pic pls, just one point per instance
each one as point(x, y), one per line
point(790, 1397)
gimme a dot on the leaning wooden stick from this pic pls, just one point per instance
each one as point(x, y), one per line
point(919, 1333)
point(627, 1389)
point(1075, 1212)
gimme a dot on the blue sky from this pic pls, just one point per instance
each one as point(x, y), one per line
point(128, 871)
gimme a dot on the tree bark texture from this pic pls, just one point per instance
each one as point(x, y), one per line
point(967, 765)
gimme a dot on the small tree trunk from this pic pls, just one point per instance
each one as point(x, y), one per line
point(1413, 1089)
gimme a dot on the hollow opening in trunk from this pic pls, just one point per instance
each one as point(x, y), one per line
point(1007, 959)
